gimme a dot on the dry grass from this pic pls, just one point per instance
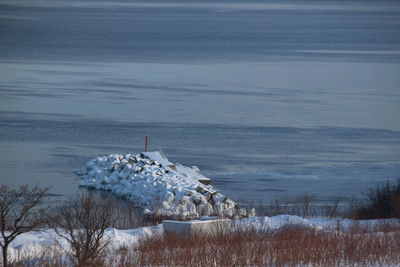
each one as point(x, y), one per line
point(357, 245)
point(377, 245)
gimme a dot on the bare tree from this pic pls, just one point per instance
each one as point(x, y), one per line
point(19, 213)
point(82, 221)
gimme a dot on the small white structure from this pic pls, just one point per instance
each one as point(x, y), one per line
point(213, 226)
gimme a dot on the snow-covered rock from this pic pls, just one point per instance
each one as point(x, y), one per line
point(161, 187)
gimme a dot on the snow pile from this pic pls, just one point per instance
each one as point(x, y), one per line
point(275, 223)
point(151, 181)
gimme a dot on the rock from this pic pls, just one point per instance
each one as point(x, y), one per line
point(132, 160)
point(172, 167)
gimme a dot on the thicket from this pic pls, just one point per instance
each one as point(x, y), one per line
point(357, 245)
point(289, 246)
point(80, 221)
point(382, 202)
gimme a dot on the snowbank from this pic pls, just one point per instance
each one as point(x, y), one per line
point(151, 181)
point(33, 244)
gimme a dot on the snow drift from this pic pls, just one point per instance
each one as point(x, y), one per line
point(159, 186)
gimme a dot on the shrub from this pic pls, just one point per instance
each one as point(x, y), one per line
point(19, 213)
point(82, 222)
point(382, 202)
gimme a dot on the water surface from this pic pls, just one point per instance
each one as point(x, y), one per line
point(268, 98)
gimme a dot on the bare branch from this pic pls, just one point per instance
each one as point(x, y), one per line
point(19, 212)
point(82, 222)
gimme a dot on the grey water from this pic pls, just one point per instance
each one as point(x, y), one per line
point(268, 98)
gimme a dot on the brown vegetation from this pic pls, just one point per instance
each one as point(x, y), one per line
point(289, 246)
point(354, 245)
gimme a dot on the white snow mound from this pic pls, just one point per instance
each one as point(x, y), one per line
point(151, 181)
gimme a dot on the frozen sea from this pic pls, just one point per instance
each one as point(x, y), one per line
point(268, 98)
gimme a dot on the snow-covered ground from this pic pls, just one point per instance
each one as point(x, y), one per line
point(151, 181)
point(32, 243)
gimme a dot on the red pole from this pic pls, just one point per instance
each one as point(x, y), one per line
point(147, 144)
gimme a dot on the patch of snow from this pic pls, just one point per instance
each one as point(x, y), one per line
point(121, 238)
point(274, 223)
